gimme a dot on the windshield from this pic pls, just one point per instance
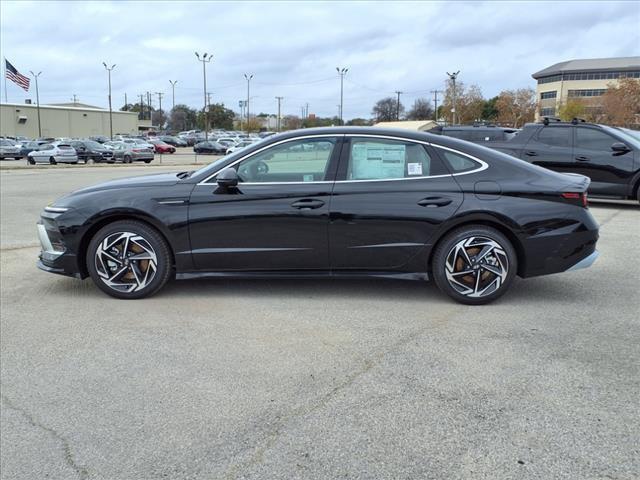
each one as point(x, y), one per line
point(629, 136)
point(92, 144)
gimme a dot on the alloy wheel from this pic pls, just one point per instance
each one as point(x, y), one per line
point(476, 266)
point(126, 262)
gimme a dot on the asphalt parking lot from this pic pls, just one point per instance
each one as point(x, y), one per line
point(314, 379)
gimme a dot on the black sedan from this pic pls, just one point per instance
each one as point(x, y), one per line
point(342, 202)
point(210, 147)
point(92, 151)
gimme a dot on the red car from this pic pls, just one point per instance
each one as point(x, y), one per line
point(160, 147)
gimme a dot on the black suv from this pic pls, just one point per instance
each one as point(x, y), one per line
point(610, 156)
point(92, 151)
point(480, 133)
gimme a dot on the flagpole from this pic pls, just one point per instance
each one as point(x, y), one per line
point(5, 81)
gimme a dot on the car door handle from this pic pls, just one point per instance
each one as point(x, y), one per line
point(531, 154)
point(307, 204)
point(582, 158)
point(434, 202)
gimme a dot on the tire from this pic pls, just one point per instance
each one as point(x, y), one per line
point(126, 159)
point(116, 275)
point(147, 161)
point(489, 276)
point(30, 161)
point(17, 158)
point(638, 194)
point(52, 161)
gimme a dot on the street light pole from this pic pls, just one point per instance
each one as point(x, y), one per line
point(205, 59)
point(110, 110)
point(160, 94)
point(279, 118)
point(453, 76)
point(173, 93)
point(398, 92)
point(342, 72)
point(38, 102)
point(248, 77)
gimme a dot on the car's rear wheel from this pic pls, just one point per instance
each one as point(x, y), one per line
point(31, 161)
point(129, 259)
point(52, 161)
point(147, 161)
point(126, 159)
point(474, 264)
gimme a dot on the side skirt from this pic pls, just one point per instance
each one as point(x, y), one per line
point(420, 276)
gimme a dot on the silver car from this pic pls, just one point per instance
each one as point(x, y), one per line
point(53, 153)
point(132, 152)
point(9, 149)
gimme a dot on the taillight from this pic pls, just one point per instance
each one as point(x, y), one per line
point(578, 198)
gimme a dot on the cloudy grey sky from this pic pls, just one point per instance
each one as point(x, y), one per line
point(293, 48)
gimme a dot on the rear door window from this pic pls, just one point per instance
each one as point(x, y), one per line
point(459, 163)
point(592, 139)
point(554, 136)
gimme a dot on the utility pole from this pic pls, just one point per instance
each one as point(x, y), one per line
point(160, 94)
point(173, 93)
point(205, 59)
point(110, 110)
point(453, 76)
point(306, 110)
point(149, 106)
point(342, 72)
point(126, 105)
point(209, 99)
point(75, 99)
point(141, 116)
point(279, 118)
point(38, 102)
point(398, 92)
point(435, 103)
point(248, 77)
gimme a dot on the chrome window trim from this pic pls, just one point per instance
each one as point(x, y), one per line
point(286, 140)
point(483, 164)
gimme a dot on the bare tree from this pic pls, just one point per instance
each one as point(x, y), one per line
point(421, 110)
point(469, 102)
point(516, 107)
point(621, 103)
point(386, 109)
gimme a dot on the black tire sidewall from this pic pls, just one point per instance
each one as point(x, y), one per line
point(445, 245)
point(164, 257)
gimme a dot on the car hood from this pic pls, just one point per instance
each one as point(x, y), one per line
point(158, 179)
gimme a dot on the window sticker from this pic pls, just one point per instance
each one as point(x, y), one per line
point(377, 161)
point(414, 169)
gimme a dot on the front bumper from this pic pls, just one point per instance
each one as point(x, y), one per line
point(54, 257)
point(585, 262)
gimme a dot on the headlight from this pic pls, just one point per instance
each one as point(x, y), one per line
point(52, 209)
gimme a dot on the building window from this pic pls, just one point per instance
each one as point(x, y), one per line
point(593, 92)
point(589, 76)
point(548, 112)
point(545, 95)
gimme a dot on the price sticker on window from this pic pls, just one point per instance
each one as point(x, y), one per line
point(414, 169)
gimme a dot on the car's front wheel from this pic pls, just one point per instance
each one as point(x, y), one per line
point(52, 161)
point(474, 264)
point(129, 259)
point(31, 161)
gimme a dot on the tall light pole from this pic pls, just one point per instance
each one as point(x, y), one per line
point(110, 110)
point(160, 94)
point(173, 93)
point(453, 76)
point(398, 92)
point(342, 72)
point(205, 59)
point(279, 118)
point(248, 77)
point(38, 102)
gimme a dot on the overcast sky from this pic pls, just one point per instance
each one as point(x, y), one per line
point(293, 48)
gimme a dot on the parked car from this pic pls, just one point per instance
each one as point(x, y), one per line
point(161, 147)
point(28, 146)
point(10, 149)
point(171, 140)
point(131, 152)
point(210, 147)
point(239, 146)
point(480, 133)
point(90, 151)
point(53, 153)
point(138, 142)
point(99, 138)
point(372, 202)
point(609, 156)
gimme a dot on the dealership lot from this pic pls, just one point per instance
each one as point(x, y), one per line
point(314, 379)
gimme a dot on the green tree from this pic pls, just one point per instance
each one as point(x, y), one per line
point(359, 122)
point(182, 117)
point(572, 108)
point(489, 110)
point(220, 116)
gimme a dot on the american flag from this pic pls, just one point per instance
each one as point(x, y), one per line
point(15, 76)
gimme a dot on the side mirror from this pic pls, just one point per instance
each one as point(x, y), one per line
point(620, 148)
point(227, 178)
